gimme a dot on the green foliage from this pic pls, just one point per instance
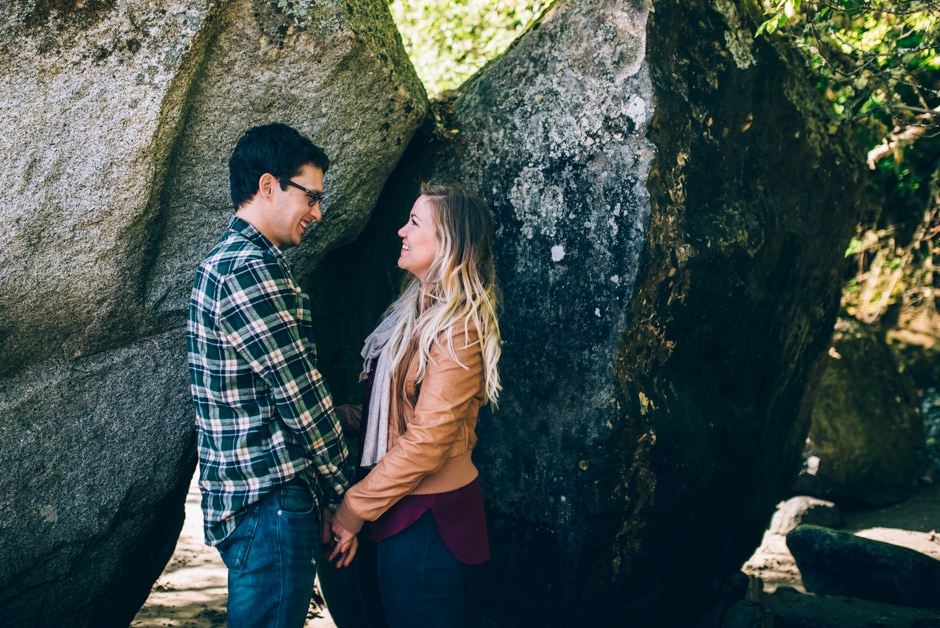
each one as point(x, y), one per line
point(890, 273)
point(877, 58)
point(894, 258)
point(449, 40)
point(878, 63)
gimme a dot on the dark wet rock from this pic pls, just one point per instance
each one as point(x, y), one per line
point(840, 563)
point(788, 608)
point(930, 409)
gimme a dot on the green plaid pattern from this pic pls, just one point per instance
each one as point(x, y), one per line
point(264, 414)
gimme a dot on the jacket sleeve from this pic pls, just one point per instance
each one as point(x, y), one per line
point(446, 397)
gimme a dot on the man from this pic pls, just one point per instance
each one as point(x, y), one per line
point(271, 453)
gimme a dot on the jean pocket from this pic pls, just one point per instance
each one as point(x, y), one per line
point(296, 500)
point(234, 548)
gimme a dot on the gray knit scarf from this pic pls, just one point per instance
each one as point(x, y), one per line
point(376, 351)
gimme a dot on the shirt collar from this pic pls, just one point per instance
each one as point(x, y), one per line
point(246, 229)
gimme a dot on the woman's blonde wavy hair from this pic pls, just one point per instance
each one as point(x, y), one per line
point(460, 286)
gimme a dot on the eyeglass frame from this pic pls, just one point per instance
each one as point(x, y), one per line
point(312, 197)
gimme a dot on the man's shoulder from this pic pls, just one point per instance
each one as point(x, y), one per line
point(232, 251)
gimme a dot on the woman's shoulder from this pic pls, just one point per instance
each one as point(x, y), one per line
point(463, 334)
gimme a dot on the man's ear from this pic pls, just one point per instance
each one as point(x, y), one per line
point(266, 185)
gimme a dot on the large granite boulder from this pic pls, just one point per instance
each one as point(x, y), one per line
point(673, 206)
point(672, 203)
point(96, 456)
point(116, 122)
point(866, 439)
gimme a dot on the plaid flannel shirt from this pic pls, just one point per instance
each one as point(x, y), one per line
point(264, 415)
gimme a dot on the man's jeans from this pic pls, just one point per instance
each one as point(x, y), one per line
point(272, 560)
point(420, 579)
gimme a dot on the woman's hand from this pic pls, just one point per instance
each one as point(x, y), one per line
point(346, 545)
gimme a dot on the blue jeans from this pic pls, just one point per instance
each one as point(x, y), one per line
point(272, 560)
point(421, 581)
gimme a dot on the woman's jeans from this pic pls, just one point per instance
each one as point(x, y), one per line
point(272, 560)
point(420, 580)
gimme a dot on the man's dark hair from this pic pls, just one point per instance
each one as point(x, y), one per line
point(275, 148)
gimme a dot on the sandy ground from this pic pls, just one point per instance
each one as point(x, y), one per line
point(191, 591)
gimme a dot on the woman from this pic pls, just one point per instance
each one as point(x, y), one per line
point(432, 363)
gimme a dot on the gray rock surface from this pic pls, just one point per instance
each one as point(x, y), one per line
point(96, 458)
point(866, 439)
point(840, 563)
point(92, 98)
point(338, 74)
point(116, 123)
point(789, 608)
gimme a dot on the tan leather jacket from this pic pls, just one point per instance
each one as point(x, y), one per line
point(431, 432)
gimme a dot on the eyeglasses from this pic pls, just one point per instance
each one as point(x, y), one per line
point(312, 197)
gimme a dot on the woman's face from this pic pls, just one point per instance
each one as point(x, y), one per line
point(419, 241)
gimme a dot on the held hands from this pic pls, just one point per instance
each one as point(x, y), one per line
point(345, 545)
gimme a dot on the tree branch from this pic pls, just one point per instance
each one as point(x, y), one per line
point(887, 147)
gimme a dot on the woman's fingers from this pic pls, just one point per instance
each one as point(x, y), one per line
point(347, 553)
point(344, 552)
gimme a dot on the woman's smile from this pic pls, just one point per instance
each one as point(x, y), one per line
point(419, 240)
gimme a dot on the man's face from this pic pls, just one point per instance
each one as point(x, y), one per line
point(293, 213)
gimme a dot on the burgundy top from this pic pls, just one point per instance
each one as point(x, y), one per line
point(459, 514)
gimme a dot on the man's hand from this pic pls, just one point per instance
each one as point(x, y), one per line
point(346, 546)
point(326, 526)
